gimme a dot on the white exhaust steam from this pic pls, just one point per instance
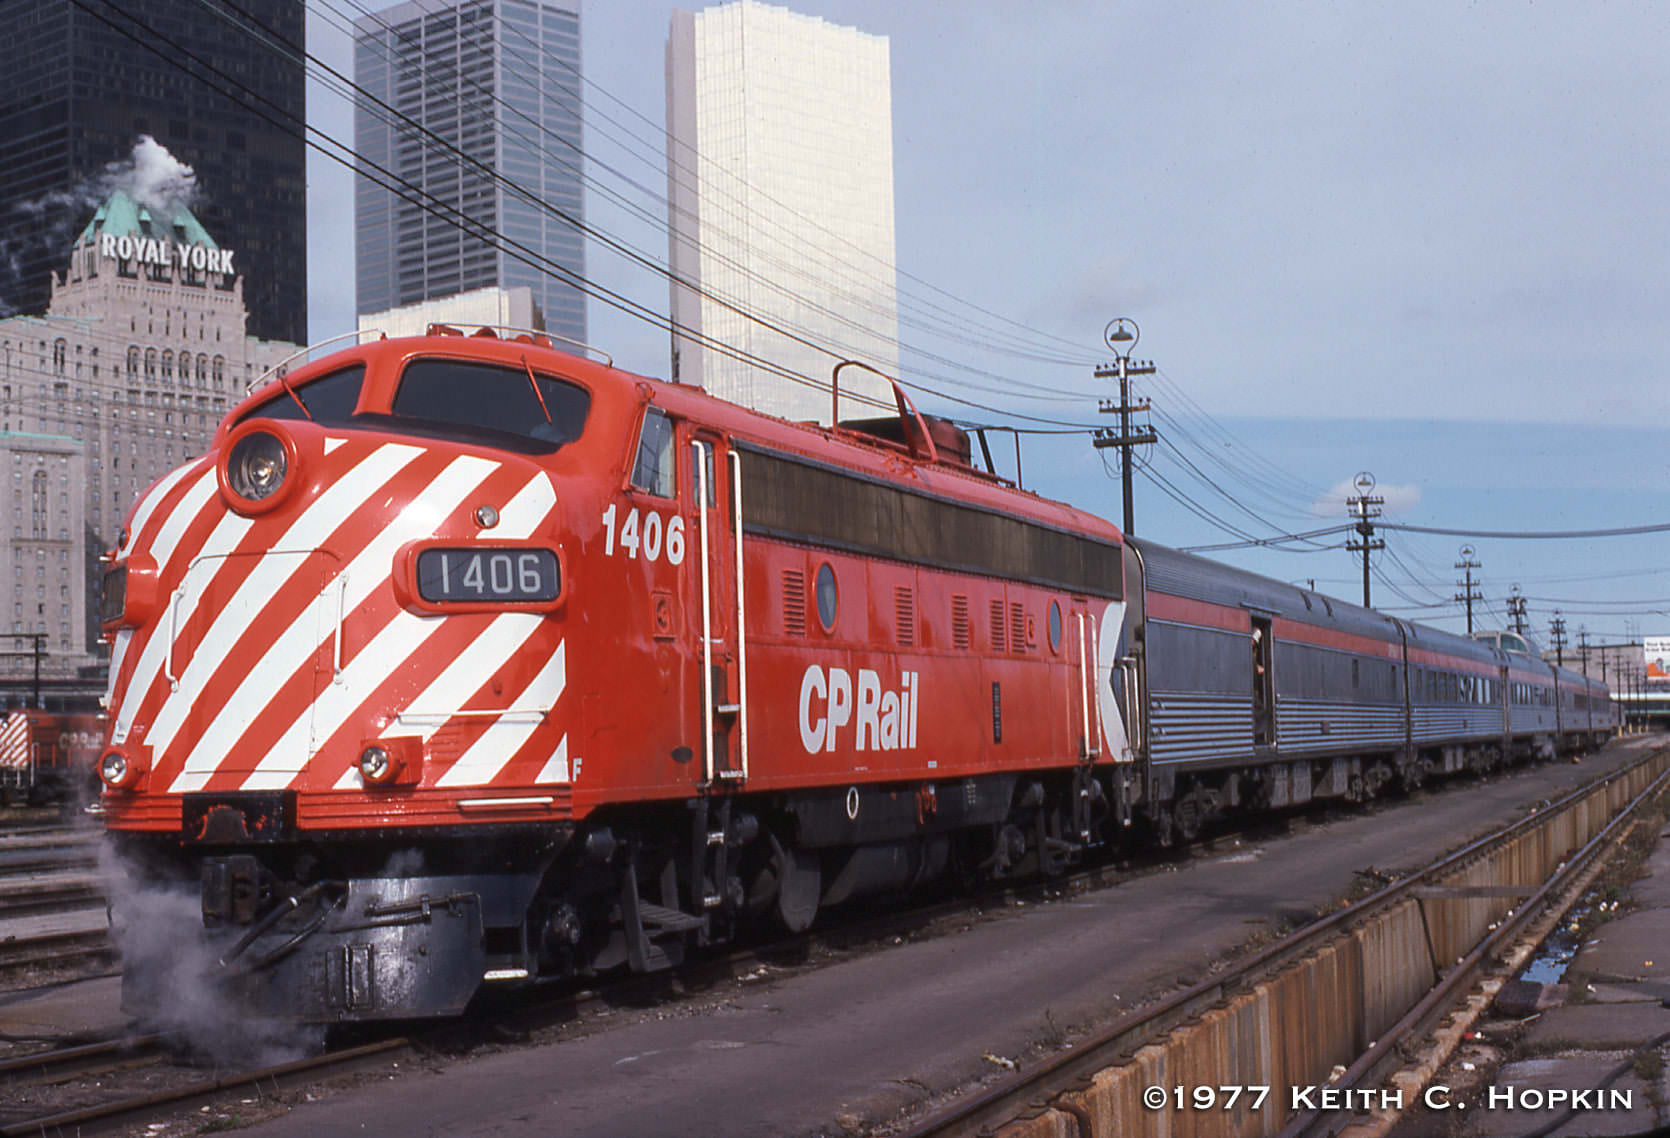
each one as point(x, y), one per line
point(150, 175)
point(174, 981)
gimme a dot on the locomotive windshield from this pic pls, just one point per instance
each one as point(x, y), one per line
point(492, 403)
point(329, 399)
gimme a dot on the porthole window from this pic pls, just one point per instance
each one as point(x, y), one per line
point(827, 597)
point(1055, 626)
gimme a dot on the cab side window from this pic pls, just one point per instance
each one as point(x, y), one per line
point(654, 469)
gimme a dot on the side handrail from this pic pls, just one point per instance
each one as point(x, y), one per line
point(741, 614)
point(707, 615)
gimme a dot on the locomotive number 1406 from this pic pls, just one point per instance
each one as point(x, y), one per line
point(650, 533)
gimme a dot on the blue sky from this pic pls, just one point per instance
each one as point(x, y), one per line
point(1427, 240)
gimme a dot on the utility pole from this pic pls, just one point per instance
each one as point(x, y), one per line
point(37, 650)
point(1365, 508)
point(1516, 610)
point(1468, 594)
point(1557, 632)
point(1583, 646)
point(1121, 335)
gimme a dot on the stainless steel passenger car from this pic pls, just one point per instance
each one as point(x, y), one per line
point(1254, 692)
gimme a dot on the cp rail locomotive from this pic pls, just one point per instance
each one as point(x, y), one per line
point(462, 661)
point(49, 757)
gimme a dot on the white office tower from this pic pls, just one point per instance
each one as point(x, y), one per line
point(780, 175)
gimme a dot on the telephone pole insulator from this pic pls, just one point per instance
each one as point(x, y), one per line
point(1121, 335)
point(1364, 508)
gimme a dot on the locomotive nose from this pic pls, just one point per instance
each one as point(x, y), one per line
point(320, 583)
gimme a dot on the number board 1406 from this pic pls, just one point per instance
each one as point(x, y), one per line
point(470, 576)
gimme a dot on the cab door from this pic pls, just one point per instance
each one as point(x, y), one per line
point(718, 607)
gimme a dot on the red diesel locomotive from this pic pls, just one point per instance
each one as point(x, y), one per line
point(460, 660)
point(49, 757)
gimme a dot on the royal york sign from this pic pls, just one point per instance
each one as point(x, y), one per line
point(156, 251)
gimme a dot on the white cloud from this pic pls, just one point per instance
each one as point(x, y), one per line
point(1398, 499)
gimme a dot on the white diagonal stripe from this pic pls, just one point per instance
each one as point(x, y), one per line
point(483, 656)
point(388, 651)
point(291, 649)
point(184, 513)
point(556, 770)
point(490, 752)
point(124, 637)
point(148, 505)
point(289, 554)
point(227, 533)
point(14, 741)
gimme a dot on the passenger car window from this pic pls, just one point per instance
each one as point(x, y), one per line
point(329, 399)
point(654, 469)
point(481, 397)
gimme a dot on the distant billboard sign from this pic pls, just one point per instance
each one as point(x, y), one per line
point(1658, 659)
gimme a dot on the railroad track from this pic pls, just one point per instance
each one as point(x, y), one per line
point(1054, 1083)
point(50, 895)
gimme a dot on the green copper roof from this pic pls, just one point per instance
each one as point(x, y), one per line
point(121, 216)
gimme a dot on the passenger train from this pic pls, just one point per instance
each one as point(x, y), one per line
point(459, 660)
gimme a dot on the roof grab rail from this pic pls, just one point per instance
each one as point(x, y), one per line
point(538, 337)
point(277, 370)
point(907, 409)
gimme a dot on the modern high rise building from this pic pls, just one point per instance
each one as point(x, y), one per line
point(79, 84)
point(479, 88)
point(780, 175)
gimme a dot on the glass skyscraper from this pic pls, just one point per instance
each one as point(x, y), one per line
point(780, 174)
point(78, 88)
point(479, 86)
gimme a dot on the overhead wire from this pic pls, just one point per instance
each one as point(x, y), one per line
point(1011, 386)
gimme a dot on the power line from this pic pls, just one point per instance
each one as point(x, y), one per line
point(1530, 535)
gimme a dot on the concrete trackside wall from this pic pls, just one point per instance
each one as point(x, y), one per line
point(1323, 1011)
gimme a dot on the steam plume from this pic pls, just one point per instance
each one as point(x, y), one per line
point(151, 175)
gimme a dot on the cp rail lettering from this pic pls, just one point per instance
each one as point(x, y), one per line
point(886, 720)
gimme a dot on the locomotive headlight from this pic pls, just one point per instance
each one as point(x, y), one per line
point(391, 761)
point(113, 768)
point(375, 764)
point(120, 770)
point(257, 466)
point(259, 469)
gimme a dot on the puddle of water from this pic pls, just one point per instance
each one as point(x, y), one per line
point(1555, 953)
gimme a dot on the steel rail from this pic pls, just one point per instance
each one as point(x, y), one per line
point(1039, 1084)
point(97, 1056)
point(275, 1076)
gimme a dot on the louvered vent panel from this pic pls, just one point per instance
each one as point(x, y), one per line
point(959, 621)
point(1017, 627)
point(1000, 642)
point(794, 602)
point(904, 611)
